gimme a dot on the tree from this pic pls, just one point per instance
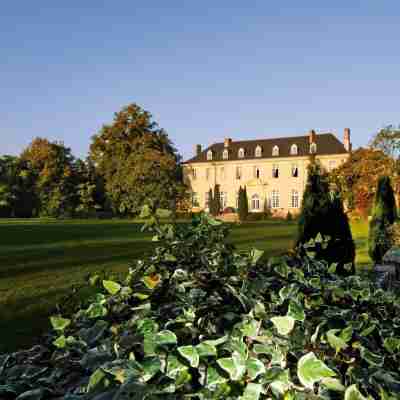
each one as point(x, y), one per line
point(243, 204)
point(52, 164)
point(217, 200)
point(322, 213)
point(383, 217)
point(137, 162)
point(357, 178)
point(388, 141)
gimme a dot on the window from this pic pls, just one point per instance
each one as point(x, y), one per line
point(294, 201)
point(194, 173)
point(207, 200)
point(275, 199)
point(241, 153)
point(313, 148)
point(209, 155)
point(275, 171)
point(225, 154)
point(257, 172)
point(195, 200)
point(222, 173)
point(223, 199)
point(294, 151)
point(295, 171)
point(238, 172)
point(258, 151)
point(237, 200)
point(255, 202)
point(332, 165)
point(275, 151)
point(207, 174)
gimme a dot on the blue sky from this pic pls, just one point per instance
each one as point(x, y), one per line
point(205, 69)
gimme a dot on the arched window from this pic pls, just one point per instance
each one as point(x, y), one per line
point(241, 153)
point(255, 202)
point(209, 155)
point(225, 154)
point(275, 200)
point(257, 172)
point(294, 151)
point(258, 152)
point(275, 151)
point(294, 203)
point(313, 148)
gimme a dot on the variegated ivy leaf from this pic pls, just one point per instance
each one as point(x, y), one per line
point(310, 370)
point(296, 311)
point(235, 366)
point(206, 350)
point(254, 368)
point(190, 354)
point(371, 358)
point(175, 367)
point(250, 328)
point(151, 366)
point(60, 342)
point(392, 344)
point(165, 338)
point(256, 255)
point(252, 392)
point(352, 393)
point(284, 325)
point(214, 378)
point(96, 310)
point(336, 342)
point(163, 213)
point(333, 384)
point(281, 383)
point(112, 287)
point(59, 323)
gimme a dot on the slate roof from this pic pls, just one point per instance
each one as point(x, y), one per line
point(327, 144)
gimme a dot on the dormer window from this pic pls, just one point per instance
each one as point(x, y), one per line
point(225, 154)
point(313, 148)
point(275, 151)
point(241, 153)
point(294, 151)
point(258, 151)
point(209, 155)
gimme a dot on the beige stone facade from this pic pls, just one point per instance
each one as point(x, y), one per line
point(274, 171)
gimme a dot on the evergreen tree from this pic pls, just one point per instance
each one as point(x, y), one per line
point(384, 214)
point(245, 203)
point(210, 201)
point(216, 201)
point(243, 209)
point(323, 213)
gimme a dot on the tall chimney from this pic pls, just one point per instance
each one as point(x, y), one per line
point(197, 149)
point(312, 136)
point(227, 142)
point(347, 140)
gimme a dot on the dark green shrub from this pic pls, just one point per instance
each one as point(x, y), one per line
point(289, 217)
point(215, 202)
point(322, 213)
point(384, 214)
point(199, 320)
point(243, 204)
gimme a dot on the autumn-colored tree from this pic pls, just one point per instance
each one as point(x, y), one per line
point(357, 178)
point(137, 162)
point(388, 141)
point(53, 166)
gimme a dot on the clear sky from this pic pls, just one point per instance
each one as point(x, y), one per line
point(205, 69)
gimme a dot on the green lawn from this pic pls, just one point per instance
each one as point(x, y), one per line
point(40, 260)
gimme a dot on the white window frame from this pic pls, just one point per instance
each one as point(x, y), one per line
point(207, 200)
point(275, 199)
point(241, 152)
point(313, 148)
point(255, 202)
point(258, 151)
point(209, 155)
point(295, 168)
point(332, 165)
point(225, 154)
point(195, 199)
point(295, 199)
point(194, 173)
point(275, 171)
point(294, 150)
point(275, 151)
point(239, 172)
point(257, 172)
point(223, 197)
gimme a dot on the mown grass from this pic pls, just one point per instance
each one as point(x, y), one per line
point(41, 260)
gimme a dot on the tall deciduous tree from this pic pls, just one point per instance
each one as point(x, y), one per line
point(137, 161)
point(383, 216)
point(388, 141)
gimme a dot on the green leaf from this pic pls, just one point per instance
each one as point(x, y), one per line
point(151, 281)
point(352, 393)
point(234, 366)
point(254, 368)
point(214, 378)
point(296, 311)
point(206, 350)
point(190, 353)
point(96, 310)
point(163, 213)
point(284, 325)
point(336, 342)
point(252, 392)
point(165, 338)
point(59, 323)
point(311, 370)
point(372, 358)
point(256, 255)
point(112, 287)
point(60, 342)
point(333, 384)
point(250, 329)
point(392, 344)
point(96, 379)
point(145, 212)
point(175, 367)
point(151, 366)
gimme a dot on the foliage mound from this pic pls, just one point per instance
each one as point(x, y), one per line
point(199, 320)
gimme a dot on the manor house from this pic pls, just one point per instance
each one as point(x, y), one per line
point(274, 171)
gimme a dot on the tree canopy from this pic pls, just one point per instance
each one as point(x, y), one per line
point(388, 141)
point(137, 161)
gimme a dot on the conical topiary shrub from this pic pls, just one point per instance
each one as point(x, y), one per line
point(384, 214)
point(243, 204)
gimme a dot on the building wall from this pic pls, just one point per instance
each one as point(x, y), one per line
point(203, 176)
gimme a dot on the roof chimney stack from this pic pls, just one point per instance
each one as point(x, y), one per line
point(347, 140)
point(312, 136)
point(227, 142)
point(197, 149)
